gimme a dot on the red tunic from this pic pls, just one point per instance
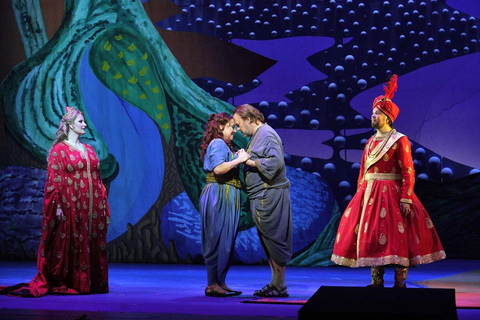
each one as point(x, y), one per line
point(373, 231)
point(72, 257)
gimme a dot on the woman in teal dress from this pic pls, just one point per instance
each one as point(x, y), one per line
point(220, 201)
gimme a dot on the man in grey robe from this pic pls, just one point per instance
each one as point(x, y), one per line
point(268, 190)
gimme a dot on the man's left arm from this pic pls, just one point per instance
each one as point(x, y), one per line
point(273, 160)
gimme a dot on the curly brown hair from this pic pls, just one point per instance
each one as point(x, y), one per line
point(213, 130)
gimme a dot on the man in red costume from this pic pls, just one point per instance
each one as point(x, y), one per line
point(385, 223)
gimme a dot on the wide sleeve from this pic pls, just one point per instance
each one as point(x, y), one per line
point(273, 160)
point(217, 153)
point(55, 180)
point(105, 204)
point(54, 189)
point(405, 161)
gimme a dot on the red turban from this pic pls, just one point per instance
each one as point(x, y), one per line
point(385, 103)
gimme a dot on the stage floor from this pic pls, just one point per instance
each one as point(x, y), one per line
point(170, 291)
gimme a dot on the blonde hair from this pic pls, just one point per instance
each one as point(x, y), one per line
point(62, 131)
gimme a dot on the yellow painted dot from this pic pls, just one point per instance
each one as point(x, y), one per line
point(131, 62)
point(145, 56)
point(165, 126)
point(125, 92)
point(117, 76)
point(105, 66)
point(132, 47)
point(107, 46)
point(148, 82)
point(119, 37)
point(160, 115)
point(133, 79)
point(143, 71)
point(143, 96)
point(155, 90)
point(120, 54)
point(160, 106)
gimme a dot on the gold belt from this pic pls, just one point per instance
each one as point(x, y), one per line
point(382, 176)
point(212, 178)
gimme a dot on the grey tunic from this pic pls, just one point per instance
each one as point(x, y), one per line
point(268, 190)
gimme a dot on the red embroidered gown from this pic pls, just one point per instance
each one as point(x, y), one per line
point(373, 231)
point(72, 257)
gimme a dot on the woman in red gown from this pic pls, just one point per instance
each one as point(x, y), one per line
point(72, 257)
point(385, 223)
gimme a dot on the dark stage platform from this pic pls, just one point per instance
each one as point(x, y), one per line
point(161, 291)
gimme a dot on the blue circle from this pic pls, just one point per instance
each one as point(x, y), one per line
point(362, 84)
point(263, 104)
point(419, 153)
point(349, 59)
point(363, 142)
point(474, 171)
point(332, 87)
point(282, 105)
point(359, 119)
point(423, 176)
point(305, 90)
point(434, 162)
point(340, 120)
point(272, 117)
point(305, 113)
point(344, 186)
point(446, 173)
point(341, 98)
point(417, 164)
point(306, 163)
point(219, 92)
point(339, 141)
point(330, 168)
point(314, 124)
point(339, 70)
point(289, 121)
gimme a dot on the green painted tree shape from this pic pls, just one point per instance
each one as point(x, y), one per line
point(124, 63)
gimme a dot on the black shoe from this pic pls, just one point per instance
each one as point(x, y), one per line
point(235, 293)
point(214, 293)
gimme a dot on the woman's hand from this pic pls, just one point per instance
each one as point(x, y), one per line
point(243, 156)
point(60, 214)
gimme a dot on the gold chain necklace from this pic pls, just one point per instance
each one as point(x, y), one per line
point(387, 137)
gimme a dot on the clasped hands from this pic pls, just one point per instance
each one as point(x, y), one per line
point(243, 155)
